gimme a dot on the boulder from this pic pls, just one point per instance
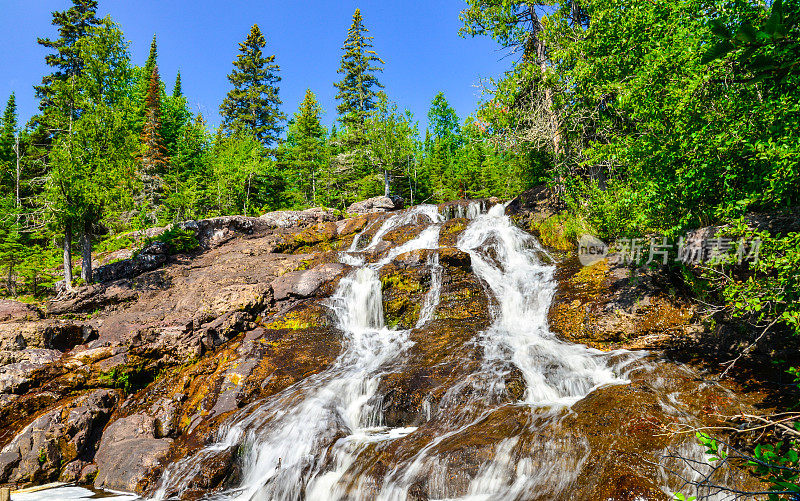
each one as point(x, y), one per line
point(56, 438)
point(128, 451)
point(289, 218)
point(17, 374)
point(151, 257)
point(376, 204)
point(305, 283)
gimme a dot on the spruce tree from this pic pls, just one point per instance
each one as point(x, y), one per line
point(253, 104)
point(72, 24)
point(307, 159)
point(152, 59)
point(358, 92)
point(154, 155)
point(177, 91)
point(8, 157)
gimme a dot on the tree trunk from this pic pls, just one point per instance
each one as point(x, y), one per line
point(16, 151)
point(11, 285)
point(385, 182)
point(540, 53)
point(86, 253)
point(68, 256)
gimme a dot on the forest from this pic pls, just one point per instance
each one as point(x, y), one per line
point(637, 118)
point(640, 117)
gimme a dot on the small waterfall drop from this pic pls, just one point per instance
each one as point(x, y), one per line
point(282, 441)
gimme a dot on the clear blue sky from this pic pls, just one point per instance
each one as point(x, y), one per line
point(418, 40)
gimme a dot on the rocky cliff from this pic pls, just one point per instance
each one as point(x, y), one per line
point(111, 384)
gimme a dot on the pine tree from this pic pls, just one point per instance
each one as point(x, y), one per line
point(177, 91)
point(307, 158)
point(72, 24)
point(357, 89)
point(154, 155)
point(253, 104)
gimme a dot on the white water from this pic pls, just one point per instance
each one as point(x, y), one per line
point(305, 442)
point(283, 439)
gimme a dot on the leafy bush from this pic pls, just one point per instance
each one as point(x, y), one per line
point(177, 240)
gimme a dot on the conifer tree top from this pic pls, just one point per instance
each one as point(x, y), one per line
point(358, 88)
point(253, 104)
point(72, 24)
point(152, 58)
point(178, 90)
point(9, 123)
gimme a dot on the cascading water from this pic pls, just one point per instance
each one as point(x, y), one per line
point(284, 437)
point(318, 438)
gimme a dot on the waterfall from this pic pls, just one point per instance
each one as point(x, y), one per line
point(313, 440)
point(506, 258)
point(284, 438)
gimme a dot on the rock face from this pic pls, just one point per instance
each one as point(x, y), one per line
point(121, 379)
point(200, 335)
point(57, 438)
point(14, 311)
point(375, 205)
point(127, 453)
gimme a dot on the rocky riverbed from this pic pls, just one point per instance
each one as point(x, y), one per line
point(167, 377)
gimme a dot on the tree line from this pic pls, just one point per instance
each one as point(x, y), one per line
point(111, 150)
point(659, 117)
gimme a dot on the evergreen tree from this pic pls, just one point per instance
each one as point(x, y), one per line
point(72, 24)
point(154, 155)
point(8, 157)
point(152, 59)
point(253, 104)
point(358, 92)
point(306, 158)
point(91, 167)
point(177, 91)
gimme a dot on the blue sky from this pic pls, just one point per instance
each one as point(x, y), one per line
point(418, 40)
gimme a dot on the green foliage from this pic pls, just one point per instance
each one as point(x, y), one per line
point(358, 94)
point(764, 44)
point(177, 240)
point(128, 378)
point(767, 290)
point(252, 106)
point(779, 465)
point(304, 157)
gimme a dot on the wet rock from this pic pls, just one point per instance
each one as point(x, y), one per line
point(606, 307)
point(127, 453)
point(56, 438)
point(305, 283)
point(375, 204)
point(14, 311)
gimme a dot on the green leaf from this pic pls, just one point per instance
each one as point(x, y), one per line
point(746, 33)
point(717, 51)
point(718, 28)
point(775, 16)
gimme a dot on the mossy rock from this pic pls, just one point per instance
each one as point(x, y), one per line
point(404, 289)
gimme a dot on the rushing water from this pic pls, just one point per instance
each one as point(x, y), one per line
point(308, 441)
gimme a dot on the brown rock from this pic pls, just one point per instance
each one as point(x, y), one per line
point(14, 311)
point(127, 453)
